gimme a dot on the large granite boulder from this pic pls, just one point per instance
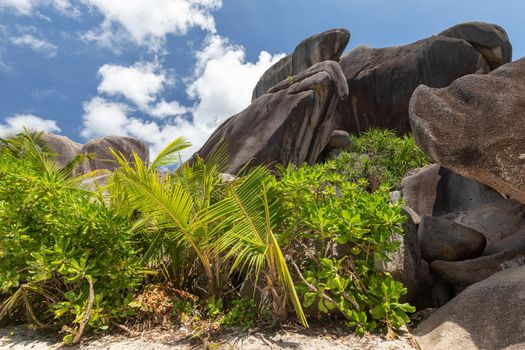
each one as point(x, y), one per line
point(497, 221)
point(63, 148)
point(475, 127)
point(486, 315)
point(101, 156)
point(291, 124)
point(434, 190)
point(443, 239)
point(325, 46)
point(382, 80)
point(489, 39)
point(466, 272)
point(338, 140)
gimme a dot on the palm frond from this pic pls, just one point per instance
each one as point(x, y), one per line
point(250, 240)
point(170, 154)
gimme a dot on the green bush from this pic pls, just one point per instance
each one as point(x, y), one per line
point(243, 313)
point(63, 253)
point(68, 258)
point(336, 230)
point(380, 157)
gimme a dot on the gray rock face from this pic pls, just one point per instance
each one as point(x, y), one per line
point(290, 124)
point(325, 46)
point(321, 47)
point(466, 272)
point(381, 81)
point(64, 148)
point(102, 157)
point(339, 139)
point(497, 221)
point(514, 242)
point(280, 71)
point(489, 39)
point(446, 240)
point(486, 315)
point(435, 190)
point(475, 127)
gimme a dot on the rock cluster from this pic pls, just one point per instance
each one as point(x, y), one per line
point(365, 88)
point(98, 150)
point(292, 123)
point(474, 249)
point(326, 46)
point(464, 101)
point(475, 127)
point(381, 81)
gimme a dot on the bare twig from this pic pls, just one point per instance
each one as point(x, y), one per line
point(311, 286)
point(85, 319)
point(29, 309)
point(124, 328)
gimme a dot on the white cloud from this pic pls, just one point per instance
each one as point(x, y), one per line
point(17, 123)
point(143, 84)
point(104, 118)
point(35, 44)
point(4, 66)
point(147, 22)
point(221, 86)
point(21, 6)
point(27, 7)
point(224, 81)
point(167, 109)
point(140, 83)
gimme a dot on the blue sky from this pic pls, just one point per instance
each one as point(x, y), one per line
point(158, 69)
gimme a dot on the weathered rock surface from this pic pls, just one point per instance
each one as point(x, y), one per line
point(497, 221)
point(102, 157)
point(446, 240)
point(381, 81)
point(435, 190)
point(433, 292)
point(290, 124)
point(339, 139)
point(514, 242)
point(486, 315)
point(466, 272)
point(475, 127)
point(489, 39)
point(64, 148)
point(325, 46)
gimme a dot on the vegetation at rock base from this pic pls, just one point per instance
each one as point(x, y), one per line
point(64, 256)
point(337, 231)
point(379, 157)
point(302, 241)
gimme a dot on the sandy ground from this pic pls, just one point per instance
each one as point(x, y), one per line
point(21, 338)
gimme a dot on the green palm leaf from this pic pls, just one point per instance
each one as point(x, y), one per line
point(170, 154)
point(250, 241)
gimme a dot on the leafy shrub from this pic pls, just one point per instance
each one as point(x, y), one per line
point(68, 258)
point(211, 228)
point(65, 258)
point(380, 157)
point(243, 313)
point(336, 230)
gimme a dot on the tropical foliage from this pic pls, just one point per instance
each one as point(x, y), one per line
point(338, 230)
point(307, 238)
point(63, 254)
point(380, 158)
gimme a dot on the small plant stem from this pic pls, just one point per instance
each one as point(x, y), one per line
point(85, 319)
